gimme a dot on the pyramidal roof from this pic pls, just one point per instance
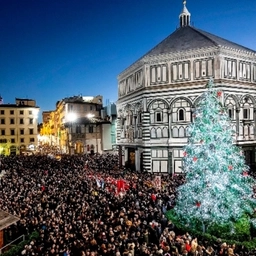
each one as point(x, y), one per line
point(187, 38)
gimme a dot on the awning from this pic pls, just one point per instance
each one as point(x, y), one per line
point(7, 219)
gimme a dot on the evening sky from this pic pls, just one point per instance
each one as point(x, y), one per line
point(52, 49)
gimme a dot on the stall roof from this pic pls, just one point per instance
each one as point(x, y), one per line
point(7, 219)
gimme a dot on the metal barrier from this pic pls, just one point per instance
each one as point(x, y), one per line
point(22, 237)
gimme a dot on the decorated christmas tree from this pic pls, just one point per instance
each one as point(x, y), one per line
point(218, 188)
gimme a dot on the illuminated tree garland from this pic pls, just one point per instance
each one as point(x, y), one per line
point(218, 188)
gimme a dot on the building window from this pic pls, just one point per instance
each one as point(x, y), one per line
point(246, 113)
point(3, 140)
point(70, 108)
point(12, 132)
point(2, 132)
point(90, 129)
point(31, 139)
point(31, 131)
point(78, 129)
point(21, 112)
point(159, 117)
point(131, 118)
point(22, 131)
point(2, 112)
point(139, 118)
point(11, 112)
point(181, 116)
point(2, 121)
point(30, 120)
point(21, 121)
point(12, 140)
point(91, 107)
point(22, 140)
point(30, 112)
point(12, 121)
point(231, 113)
point(230, 68)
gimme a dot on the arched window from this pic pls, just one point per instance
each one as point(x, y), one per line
point(165, 132)
point(139, 118)
point(175, 133)
point(158, 112)
point(159, 133)
point(158, 117)
point(181, 114)
point(181, 111)
point(186, 131)
point(247, 108)
point(153, 133)
point(181, 132)
point(231, 113)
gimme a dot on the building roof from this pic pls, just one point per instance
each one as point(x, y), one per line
point(7, 219)
point(82, 99)
point(190, 38)
point(187, 38)
point(16, 106)
point(87, 120)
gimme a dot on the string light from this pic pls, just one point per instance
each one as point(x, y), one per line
point(217, 188)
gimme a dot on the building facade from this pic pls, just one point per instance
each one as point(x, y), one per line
point(76, 125)
point(47, 132)
point(18, 127)
point(109, 129)
point(157, 95)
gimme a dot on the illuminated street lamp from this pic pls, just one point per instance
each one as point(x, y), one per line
point(90, 115)
point(71, 117)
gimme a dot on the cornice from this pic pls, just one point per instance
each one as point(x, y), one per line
point(168, 57)
point(237, 54)
point(188, 55)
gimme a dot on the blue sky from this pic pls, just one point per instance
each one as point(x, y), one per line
point(52, 49)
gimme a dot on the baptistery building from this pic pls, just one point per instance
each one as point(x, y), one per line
point(158, 93)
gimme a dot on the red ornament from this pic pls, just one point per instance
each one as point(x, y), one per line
point(230, 167)
point(198, 204)
point(194, 159)
point(245, 174)
point(219, 93)
point(185, 153)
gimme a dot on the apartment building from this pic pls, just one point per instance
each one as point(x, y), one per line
point(18, 127)
point(76, 125)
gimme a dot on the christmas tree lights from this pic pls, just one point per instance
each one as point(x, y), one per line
point(218, 189)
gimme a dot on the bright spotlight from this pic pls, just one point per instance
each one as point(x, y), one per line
point(90, 115)
point(71, 117)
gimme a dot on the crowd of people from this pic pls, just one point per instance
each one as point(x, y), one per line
point(87, 205)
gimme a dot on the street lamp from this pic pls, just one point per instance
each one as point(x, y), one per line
point(90, 115)
point(71, 117)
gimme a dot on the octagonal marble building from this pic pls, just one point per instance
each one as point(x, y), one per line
point(157, 95)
